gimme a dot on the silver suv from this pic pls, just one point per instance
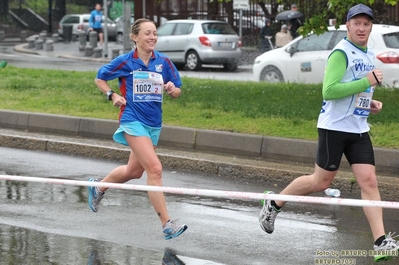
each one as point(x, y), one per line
point(81, 22)
point(193, 43)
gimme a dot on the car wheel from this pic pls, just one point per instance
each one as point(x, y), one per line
point(230, 67)
point(271, 74)
point(193, 62)
point(119, 38)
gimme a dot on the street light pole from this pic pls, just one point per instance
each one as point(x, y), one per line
point(105, 49)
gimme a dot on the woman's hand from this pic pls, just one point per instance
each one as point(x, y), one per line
point(172, 90)
point(118, 101)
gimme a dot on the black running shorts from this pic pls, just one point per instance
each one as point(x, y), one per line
point(98, 30)
point(357, 148)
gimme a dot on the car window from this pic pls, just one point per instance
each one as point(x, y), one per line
point(72, 20)
point(340, 34)
point(217, 28)
point(315, 42)
point(166, 29)
point(183, 28)
point(392, 40)
point(85, 20)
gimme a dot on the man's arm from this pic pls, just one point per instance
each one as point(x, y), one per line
point(335, 71)
point(91, 20)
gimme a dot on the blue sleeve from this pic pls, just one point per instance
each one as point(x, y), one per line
point(91, 20)
point(113, 70)
point(172, 74)
point(175, 77)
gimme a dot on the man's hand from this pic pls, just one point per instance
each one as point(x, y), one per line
point(375, 106)
point(375, 77)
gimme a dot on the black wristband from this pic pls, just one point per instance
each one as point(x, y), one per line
point(376, 79)
point(109, 94)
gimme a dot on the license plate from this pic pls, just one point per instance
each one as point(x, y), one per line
point(225, 44)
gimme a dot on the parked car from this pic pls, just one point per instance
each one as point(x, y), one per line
point(193, 43)
point(303, 59)
point(81, 22)
point(119, 21)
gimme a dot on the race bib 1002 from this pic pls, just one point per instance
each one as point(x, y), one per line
point(147, 86)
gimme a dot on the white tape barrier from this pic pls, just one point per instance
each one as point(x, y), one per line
point(211, 193)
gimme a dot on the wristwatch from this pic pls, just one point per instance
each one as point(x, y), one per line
point(109, 94)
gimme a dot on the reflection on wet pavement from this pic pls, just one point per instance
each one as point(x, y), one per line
point(170, 258)
point(27, 246)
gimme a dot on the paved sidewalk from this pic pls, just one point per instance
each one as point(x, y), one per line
point(67, 50)
point(71, 51)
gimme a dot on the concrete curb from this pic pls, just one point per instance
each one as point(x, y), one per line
point(255, 146)
point(21, 48)
point(252, 146)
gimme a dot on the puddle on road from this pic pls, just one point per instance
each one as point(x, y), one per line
point(24, 246)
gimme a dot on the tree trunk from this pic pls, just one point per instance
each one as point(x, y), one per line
point(59, 9)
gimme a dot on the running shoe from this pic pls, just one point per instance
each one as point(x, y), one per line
point(388, 248)
point(267, 215)
point(95, 196)
point(172, 229)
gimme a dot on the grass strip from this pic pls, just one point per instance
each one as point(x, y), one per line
point(283, 109)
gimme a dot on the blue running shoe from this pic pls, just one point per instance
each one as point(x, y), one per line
point(95, 196)
point(172, 229)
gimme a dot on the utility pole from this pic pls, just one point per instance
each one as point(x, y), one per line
point(127, 46)
point(105, 50)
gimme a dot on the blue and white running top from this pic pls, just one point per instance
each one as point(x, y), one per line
point(96, 17)
point(350, 114)
point(144, 102)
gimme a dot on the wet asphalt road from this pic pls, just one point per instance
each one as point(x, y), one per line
point(52, 224)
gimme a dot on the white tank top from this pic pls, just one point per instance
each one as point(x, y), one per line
point(350, 114)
